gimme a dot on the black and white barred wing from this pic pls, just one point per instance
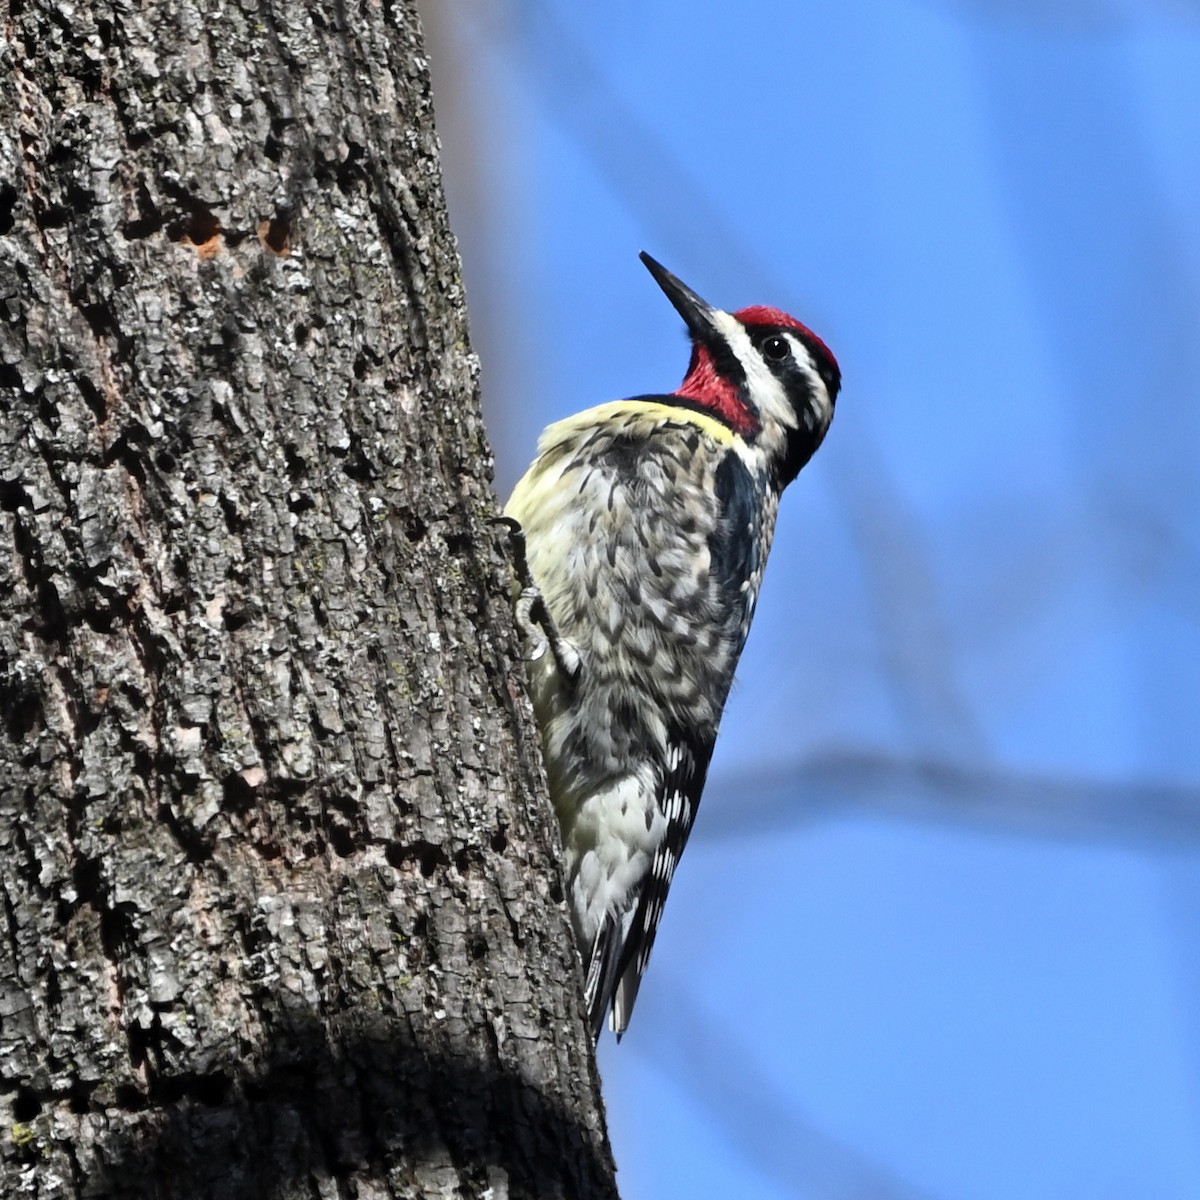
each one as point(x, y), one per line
point(683, 782)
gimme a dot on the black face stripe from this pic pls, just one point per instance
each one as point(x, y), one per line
point(724, 359)
point(827, 367)
point(800, 389)
point(824, 362)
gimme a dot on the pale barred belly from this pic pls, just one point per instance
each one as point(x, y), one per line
point(639, 601)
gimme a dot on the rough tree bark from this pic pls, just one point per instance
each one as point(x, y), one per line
point(279, 907)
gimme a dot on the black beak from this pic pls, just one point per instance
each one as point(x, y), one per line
point(697, 313)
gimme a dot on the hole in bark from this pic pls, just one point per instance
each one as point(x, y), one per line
point(99, 620)
point(299, 502)
point(342, 841)
point(276, 233)
point(349, 171)
point(499, 841)
point(61, 152)
point(116, 931)
point(87, 881)
point(93, 399)
point(8, 200)
point(138, 1039)
point(236, 794)
point(187, 835)
point(10, 373)
point(81, 1096)
point(131, 451)
point(233, 519)
point(427, 856)
point(53, 986)
point(100, 317)
point(430, 857)
point(80, 199)
point(22, 714)
point(165, 462)
point(149, 222)
point(13, 496)
point(129, 1098)
point(274, 147)
point(556, 892)
point(200, 228)
point(46, 410)
point(421, 926)
point(477, 946)
point(142, 228)
point(234, 617)
point(26, 1105)
point(296, 464)
point(147, 1050)
point(54, 616)
point(358, 468)
point(53, 217)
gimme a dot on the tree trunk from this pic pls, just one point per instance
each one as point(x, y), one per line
point(279, 898)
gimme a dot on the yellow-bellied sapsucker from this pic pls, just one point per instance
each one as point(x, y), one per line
point(646, 527)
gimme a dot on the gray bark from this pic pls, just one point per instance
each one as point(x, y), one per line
point(278, 900)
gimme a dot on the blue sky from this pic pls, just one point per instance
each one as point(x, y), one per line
point(935, 935)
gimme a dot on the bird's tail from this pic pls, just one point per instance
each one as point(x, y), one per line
point(603, 974)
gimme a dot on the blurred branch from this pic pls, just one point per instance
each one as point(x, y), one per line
point(1158, 816)
point(747, 1106)
point(1072, 18)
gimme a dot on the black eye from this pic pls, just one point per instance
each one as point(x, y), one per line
point(776, 348)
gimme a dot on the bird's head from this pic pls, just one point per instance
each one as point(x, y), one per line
point(759, 371)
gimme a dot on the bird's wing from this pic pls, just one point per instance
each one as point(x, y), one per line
point(682, 783)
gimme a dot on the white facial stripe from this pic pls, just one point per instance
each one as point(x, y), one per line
point(765, 390)
point(820, 393)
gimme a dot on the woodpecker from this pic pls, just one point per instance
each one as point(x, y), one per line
point(642, 529)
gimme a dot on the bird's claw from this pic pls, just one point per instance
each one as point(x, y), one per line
point(528, 625)
point(532, 617)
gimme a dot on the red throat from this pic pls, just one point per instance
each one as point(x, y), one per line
point(714, 393)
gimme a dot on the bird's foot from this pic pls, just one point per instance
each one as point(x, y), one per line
point(533, 620)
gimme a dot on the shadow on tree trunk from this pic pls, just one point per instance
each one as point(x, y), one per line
point(367, 1098)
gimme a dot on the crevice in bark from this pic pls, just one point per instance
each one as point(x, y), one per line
point(49, 620)
point(194, 844)
point(426, 855)
point(149, 219)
